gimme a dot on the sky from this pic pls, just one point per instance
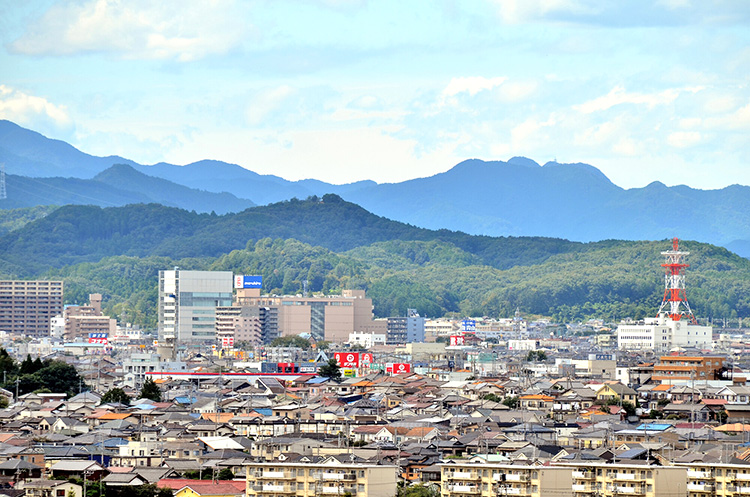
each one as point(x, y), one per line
point(347, 90)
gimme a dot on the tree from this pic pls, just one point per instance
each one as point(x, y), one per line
point(116, 395)
point(150, 390)
point(512, 402)
point(330, 370)
point(418, 490)
point(291, 341)
point(226, 474)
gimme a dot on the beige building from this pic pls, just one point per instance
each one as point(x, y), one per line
point(490, 480)
point(236, 324)
point(716, 479)
point(609, 480)
point(313, 480)
point(27, 307)
point(330, 318)
point(82, 320)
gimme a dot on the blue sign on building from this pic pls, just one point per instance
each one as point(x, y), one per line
point(241, 281)
point(468, 325)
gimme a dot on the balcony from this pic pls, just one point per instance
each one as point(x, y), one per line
point(694, 473)
point(337, 490)
point(276, 475)
point(626, 477)
point(338, 476)
point(627, 490)
point(743, 490)
point(516, 477)
point(742, 476)
point(583, 475)
point(463, 488)
point(578, 487)
point(462, 475)
point(700, 487)
point(512, 491)
point(274, 489)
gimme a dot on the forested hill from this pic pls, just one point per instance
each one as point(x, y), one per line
point(333, 245)
point(75, 234)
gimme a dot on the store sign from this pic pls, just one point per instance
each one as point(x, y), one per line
point(347, 359)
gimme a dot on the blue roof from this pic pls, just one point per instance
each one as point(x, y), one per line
point(266, 411)
point(317, 380)
point(654, 426)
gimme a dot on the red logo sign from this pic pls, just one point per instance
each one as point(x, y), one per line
point(366, 357)
point(457, 340)
point(347, 359)
point(398, 368)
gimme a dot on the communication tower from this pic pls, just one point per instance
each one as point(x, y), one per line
point(675, 302)
point(3, 192)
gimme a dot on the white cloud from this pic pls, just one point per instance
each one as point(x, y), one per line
point(684, 139)
point(138, 29)
point(518, 11)
point(618, 96)
point(267, 102)
point(34, 112)
point(471, 85)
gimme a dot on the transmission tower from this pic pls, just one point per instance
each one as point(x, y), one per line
point(674, 284)
point(3, 192)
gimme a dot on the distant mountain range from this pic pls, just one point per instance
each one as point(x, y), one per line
point(514, 198)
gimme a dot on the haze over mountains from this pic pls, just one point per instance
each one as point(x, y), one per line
point(514, 198)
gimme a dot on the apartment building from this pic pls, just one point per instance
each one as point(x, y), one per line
point(84, 321)
point(609, 480)
point(717, 479)
point(490, 480)
point(685, 368)
point(27, 307)
point(331, 477)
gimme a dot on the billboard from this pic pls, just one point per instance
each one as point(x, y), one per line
point(398, 368)
point(456, 341)
point(468, 325)
point(227, 342)
point(98, 338)
point(347, 359)
point(241, 281)
point(365, 358)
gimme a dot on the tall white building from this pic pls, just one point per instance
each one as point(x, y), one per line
point(188, 302)
point(662, 333)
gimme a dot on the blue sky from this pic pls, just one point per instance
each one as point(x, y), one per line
point(344, 90)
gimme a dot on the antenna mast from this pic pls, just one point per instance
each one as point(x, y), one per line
point(674, 284)
point(3, 192)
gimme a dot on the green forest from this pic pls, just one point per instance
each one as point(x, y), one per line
point(335, 245)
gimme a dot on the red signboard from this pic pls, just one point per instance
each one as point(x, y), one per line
point(347, 359)
point(398, 368)
point(227, 342)
point(366, 358)
point(456, 341)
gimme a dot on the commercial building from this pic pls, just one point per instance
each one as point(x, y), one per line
point(84, 321)
point(27, 307)
point(330, 318)
point(188, 302)
point(490, 480)
point(313, 480)
point(663, 333)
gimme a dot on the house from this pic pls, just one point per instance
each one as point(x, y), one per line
point(616, 391)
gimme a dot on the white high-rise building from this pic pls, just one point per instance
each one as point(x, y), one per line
point(662, 333)
point(188, 302)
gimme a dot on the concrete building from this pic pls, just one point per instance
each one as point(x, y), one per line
point(408, 329)
point(27, 307)
point(684, 368)
point(489, 480)
point(662, 333)
point(330, 318)
point(313, 480)
point(236, 324)
point(609, 480)
point(188, 302)
point(82, 321)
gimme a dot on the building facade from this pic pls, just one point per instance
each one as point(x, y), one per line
point(490, 480)
point(313, 480)
point(662, 333)
point(188, 302)
point(27, 307)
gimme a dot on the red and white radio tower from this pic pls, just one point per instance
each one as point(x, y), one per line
point(674, 285)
